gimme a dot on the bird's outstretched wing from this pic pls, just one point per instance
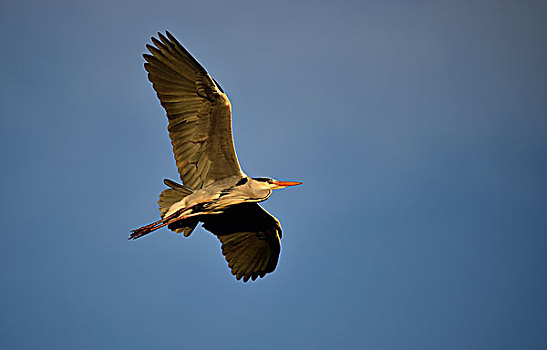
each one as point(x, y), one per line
point(250, 239)
point(199, 114)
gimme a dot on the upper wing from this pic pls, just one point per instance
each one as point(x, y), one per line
point(250, 239)
point(199, 114)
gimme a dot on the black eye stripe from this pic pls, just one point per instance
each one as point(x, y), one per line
point(263, 179)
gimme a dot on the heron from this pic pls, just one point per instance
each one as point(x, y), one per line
point(214, 191)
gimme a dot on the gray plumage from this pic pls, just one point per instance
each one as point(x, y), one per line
point(215, 190)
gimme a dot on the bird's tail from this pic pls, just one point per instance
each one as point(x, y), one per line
point(172, 195)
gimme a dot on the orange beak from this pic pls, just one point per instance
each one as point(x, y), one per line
point(283, 184)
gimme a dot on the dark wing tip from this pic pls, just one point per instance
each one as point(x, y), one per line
point(172, 38)
point(147, 57)
point(163, 38)
point(157, 43)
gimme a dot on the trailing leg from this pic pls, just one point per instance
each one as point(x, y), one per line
point(142, 231)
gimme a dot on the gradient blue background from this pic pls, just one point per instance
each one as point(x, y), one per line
point(418, 128)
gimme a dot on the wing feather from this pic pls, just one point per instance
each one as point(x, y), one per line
point(250, 238)
point(198, 111)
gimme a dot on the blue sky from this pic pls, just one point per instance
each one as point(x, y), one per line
point(419, 131)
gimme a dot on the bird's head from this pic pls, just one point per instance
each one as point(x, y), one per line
point(275, 184)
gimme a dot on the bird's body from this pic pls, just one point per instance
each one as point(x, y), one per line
point(215, 190)
point(222, 194)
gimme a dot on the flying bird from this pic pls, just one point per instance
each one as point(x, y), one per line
point(214, 190)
